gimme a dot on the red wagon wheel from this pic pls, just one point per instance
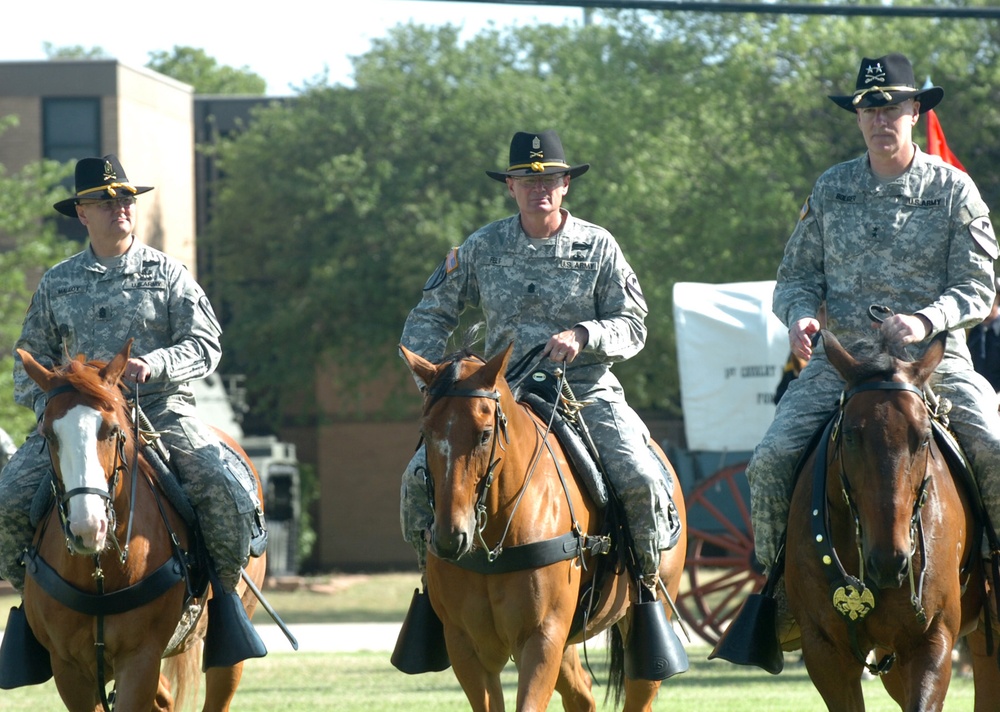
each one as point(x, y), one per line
point(721, 566)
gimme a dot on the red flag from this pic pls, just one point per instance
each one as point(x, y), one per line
point(936, 143)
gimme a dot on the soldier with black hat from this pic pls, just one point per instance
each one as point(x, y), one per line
point(118, 289)
point(544, 277)
point(894, 227)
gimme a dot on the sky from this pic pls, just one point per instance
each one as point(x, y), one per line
point(286, 44)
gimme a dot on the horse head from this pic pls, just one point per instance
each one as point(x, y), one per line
point(883, 448)
point(464, 430)
point(84, 427)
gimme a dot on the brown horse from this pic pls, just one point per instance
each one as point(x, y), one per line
point(500, 480)
point(883, 547)
point(104, 548)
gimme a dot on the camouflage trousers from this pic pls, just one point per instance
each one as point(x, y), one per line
point(622, 441)
point(809, 402)
point(225, 508)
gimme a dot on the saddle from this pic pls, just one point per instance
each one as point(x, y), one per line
point(541, 392)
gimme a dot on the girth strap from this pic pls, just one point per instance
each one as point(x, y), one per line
point(90, 604)
point(534, 555)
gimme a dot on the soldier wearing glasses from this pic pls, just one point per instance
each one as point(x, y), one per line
point(544, 276)
point(118, 289)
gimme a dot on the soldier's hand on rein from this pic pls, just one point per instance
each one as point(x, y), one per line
point(905, 328)
point(136, 371)
point(566, 345)
point(800, 337)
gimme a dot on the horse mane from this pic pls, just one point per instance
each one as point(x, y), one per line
point(876, 356)
point(449, 376)
point(85, 377)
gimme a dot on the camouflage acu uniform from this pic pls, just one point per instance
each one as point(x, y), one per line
point(528, 290)
point(91, 306)
point(919, 244)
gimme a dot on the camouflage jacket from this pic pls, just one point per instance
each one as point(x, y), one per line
point(922, 244)
point(83, 307)
point(530, 289)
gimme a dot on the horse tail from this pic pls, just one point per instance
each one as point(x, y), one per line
point(184, 673)
point(616, 667)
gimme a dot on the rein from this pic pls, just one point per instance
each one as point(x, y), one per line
point(852, 597)
point(146, 590)
point(567, 546)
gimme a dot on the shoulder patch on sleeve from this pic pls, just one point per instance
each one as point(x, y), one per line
point(804, 211)
point(448, 265)
point(635, 291)
point(981, 230)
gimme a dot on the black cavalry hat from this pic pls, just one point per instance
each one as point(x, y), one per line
point(535, 154)
point(99, 179)
point(885, 81)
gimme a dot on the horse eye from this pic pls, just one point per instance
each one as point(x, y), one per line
point(109, 430)
point(487, 435)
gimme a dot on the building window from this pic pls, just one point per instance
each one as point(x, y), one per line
point(71, 131)
point(72, 128)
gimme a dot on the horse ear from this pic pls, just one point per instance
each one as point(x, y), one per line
point(36, 371)
point(112, 372)
point(496, 365)
point(932, 357)
point(838, 355)
point(423, 370)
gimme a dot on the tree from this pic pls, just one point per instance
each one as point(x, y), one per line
point(33, 246)
point(193, 66)
point(705, 133)
point(74, 52)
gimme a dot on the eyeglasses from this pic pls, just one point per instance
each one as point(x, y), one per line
point(547, 182)
point(108, 205)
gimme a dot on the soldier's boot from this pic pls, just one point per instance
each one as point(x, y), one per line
point(420, 646)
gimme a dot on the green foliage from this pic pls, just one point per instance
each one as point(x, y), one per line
point(193, 66)
point(74, 52)
point(705, 134)
point(34, 245)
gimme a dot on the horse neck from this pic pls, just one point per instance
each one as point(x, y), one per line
point(527, 486)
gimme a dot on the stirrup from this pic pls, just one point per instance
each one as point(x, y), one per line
point(653, 650)
point(231, 637)
point(420, 646)
point(752, 637)
point(23, 660)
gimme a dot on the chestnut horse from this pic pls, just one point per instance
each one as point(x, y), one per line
point(499, 479)
point(118, 531)
point(883, 546)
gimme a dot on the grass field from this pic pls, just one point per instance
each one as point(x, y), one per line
point(367, 682)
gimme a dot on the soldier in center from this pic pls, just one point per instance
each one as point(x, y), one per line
point(544, 276)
